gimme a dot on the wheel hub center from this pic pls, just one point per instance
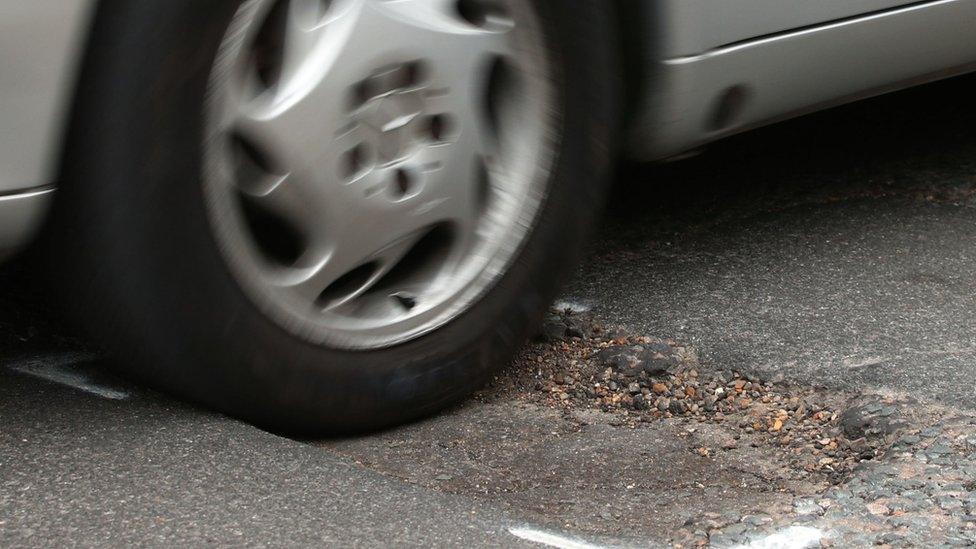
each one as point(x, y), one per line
point(389, 120)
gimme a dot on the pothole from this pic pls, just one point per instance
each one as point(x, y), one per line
point(599, 431)
point(578, 364)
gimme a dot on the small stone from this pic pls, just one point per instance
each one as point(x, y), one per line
point(634, 388)
point(910, 439)
point(888, 538)
point(660, 348)
point(659, 388)
point(657, 364)
point(720, 539)
point(574, 329)
point(859, 446)
point(756, 520)
point(807, 507)
point(677, 407)
point(879, 509)
point(864, 420)
point(621, 358)
point(553, 329)
point(949, 503)
point(938, 449)
point(736, 529)
point(663, 403)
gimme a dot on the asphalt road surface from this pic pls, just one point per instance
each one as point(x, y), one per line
point(834, 253)
point(837, 249)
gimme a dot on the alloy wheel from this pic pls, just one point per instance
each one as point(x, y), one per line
point(372, 167)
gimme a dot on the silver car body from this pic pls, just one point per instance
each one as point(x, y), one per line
point(702, 70)
point(41, 45)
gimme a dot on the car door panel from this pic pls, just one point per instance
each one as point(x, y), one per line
point(695, 26)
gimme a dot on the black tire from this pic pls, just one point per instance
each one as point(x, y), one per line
point(152, 282)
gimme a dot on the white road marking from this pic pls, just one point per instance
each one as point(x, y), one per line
point(58, 369)
point(550, 539)
point(794, 537)
point(573, 307)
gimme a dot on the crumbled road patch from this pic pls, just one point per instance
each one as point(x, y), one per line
point(601, 432)
point(921, 493)
point(580, 364)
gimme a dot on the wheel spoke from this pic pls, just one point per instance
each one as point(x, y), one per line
point(282, 197)
point(303, 33)
point(435, 27)
point(297, 116)
point(367, 247)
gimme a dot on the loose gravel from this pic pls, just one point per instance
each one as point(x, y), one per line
point(579, 364)
point(863, 469)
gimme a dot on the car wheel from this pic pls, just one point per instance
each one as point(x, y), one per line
point(326, 216)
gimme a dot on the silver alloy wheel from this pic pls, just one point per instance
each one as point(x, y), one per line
point(371, 167)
